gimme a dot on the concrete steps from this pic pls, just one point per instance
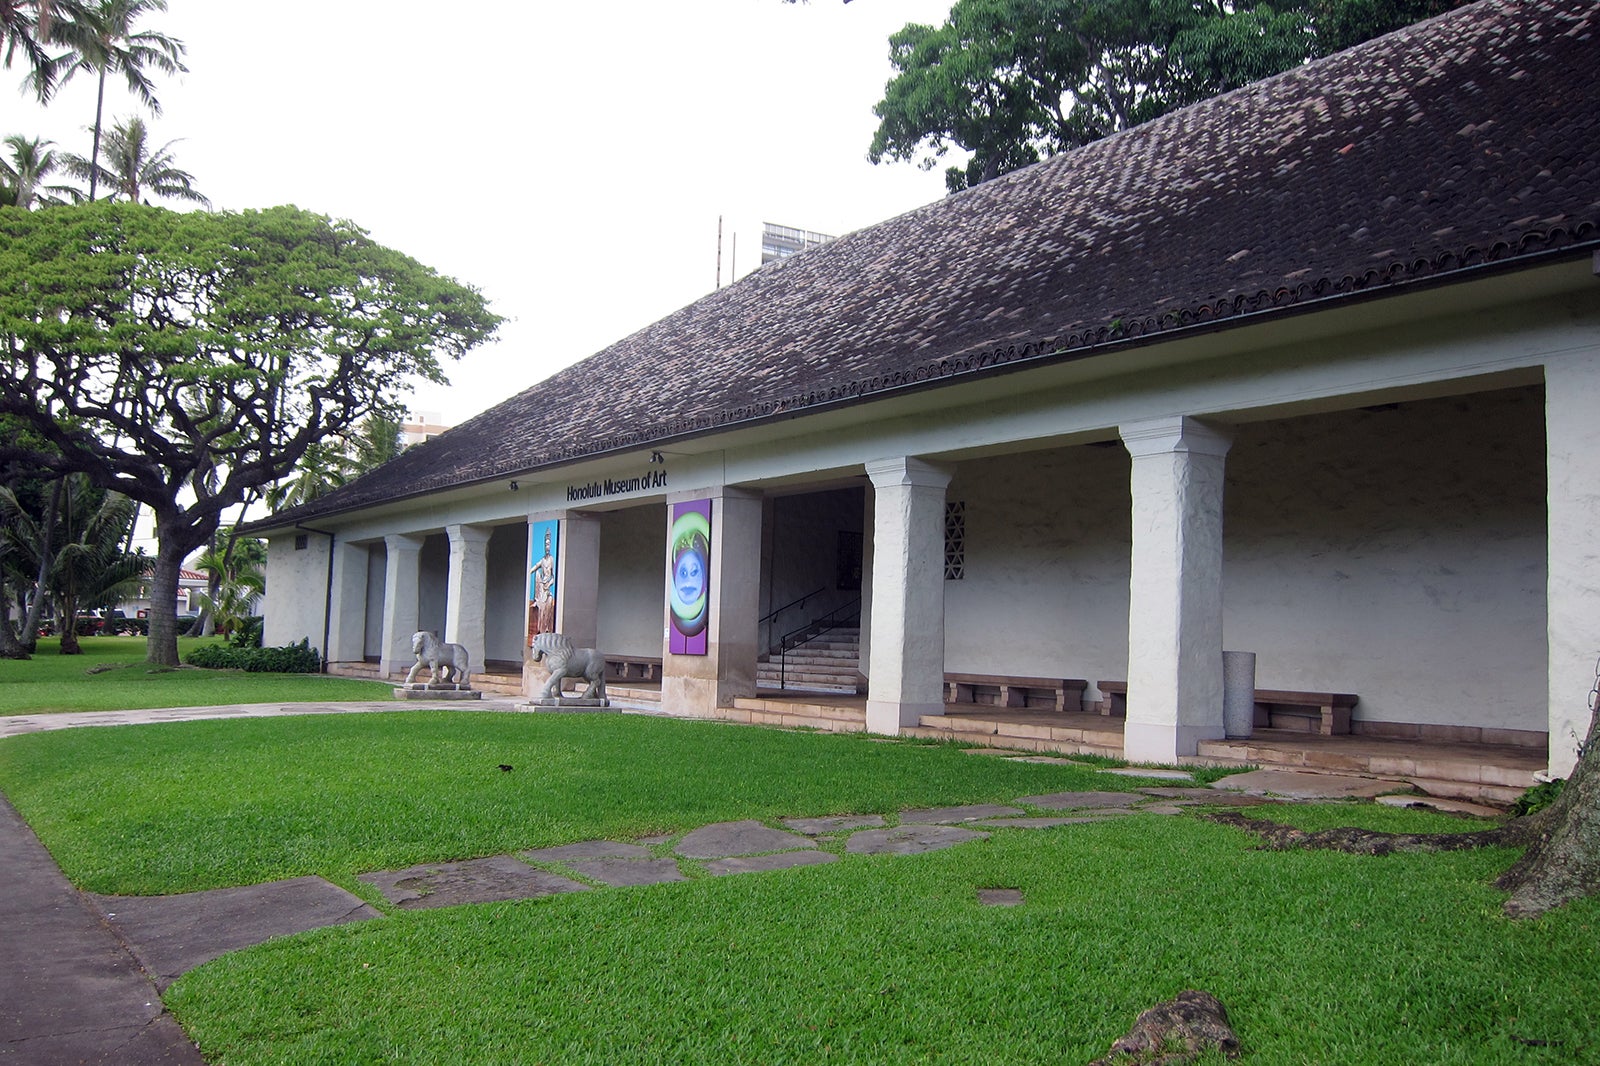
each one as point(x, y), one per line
point(831, 663)
point(832, 717)
point(1048, 731)
point(1491, 774)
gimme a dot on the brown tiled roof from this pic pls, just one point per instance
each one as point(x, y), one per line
point(1468, 141)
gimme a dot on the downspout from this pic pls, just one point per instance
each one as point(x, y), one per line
point(327, 593)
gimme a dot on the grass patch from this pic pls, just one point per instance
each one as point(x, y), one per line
point(1320, 958)
point(190, 805)
point(112, 675)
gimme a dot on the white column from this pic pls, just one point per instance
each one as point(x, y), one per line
point(466, 588)
point(698, 684)
point(1175, 591)
point(347, 608)
point(1572, 597)
point(400, 581)
point(906, 647)
point(578, 579)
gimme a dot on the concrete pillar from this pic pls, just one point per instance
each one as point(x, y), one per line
point(1572, 597)
point(466, 588)
point(1175, 592)
point(698, 684)
point(347, 609)
point(906, 649)
point(578, 579)
point(400, 588)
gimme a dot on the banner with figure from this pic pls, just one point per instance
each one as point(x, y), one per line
point(544, 539)
point(689, 564)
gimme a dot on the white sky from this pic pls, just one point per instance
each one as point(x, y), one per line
point(570, 159)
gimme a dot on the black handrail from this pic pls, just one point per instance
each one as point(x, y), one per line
point(834, 619)
point(770, 615)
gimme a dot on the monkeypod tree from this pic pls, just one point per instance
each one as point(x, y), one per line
point(189, 360)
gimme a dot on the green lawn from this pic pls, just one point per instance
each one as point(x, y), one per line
point(111, 675)
point(1320, 957)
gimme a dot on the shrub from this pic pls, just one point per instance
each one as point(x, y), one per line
point(248, 634)
point(1537, 798)
point(299, 658)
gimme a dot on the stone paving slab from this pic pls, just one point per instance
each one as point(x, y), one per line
point(1208, 797)
point(492, 880)
point(627, 873)
point(70, 991)
point(909, 839)
point(722, 840)
point(1036, 823)
point(841, 824)
point(1436, 803)
point(1296, 784)
point(762, 863)
point(1073, 801)
point(1000, 897)
point(954, 815)
point(588, 849)
point(171, 935)
point(1149, 772)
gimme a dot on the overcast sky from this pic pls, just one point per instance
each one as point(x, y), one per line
point(569, 159)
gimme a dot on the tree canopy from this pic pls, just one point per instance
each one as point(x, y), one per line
point(1011, 82)
point(188, 360)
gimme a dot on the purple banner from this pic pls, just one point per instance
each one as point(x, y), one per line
point(689, 567)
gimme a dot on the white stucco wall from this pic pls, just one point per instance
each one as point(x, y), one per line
point(1046, 586)
point(506, 602)
point(433, 581)
point(377, 560)
point(301, 578)
point(1397, 554)
point(633, 567)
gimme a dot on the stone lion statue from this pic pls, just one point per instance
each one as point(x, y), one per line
point(563, 660)
point(450, 659)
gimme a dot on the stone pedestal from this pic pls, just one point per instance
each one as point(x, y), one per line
point(567, 703)
point(441, 690)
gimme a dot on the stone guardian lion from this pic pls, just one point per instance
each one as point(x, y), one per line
point(450, 659)
point(563, 661)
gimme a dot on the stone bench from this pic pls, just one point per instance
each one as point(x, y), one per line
point(1330, 711)
point(1113, 698)
point(1004, 690)
point(626, 668)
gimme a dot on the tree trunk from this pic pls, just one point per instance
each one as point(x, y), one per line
point(30, 624)
point(1563, 861)
point(162, 647)
point(94, 154)
point(10, 647)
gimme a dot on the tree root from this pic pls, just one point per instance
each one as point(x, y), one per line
point(1354, 841)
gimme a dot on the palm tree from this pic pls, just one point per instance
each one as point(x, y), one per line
point(28, 28)
point(103, 40)
point(24, 176)
point(133, 171)
point(80, 554)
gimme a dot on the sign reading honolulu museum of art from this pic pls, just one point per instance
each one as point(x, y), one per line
point(617, 486)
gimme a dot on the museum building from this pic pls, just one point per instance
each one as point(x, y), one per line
point(1310, 370)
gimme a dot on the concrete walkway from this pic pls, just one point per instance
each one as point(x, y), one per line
point(82, 973)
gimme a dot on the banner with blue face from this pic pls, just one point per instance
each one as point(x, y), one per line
point(689, 567)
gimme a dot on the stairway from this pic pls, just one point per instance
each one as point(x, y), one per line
point(829, 662)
